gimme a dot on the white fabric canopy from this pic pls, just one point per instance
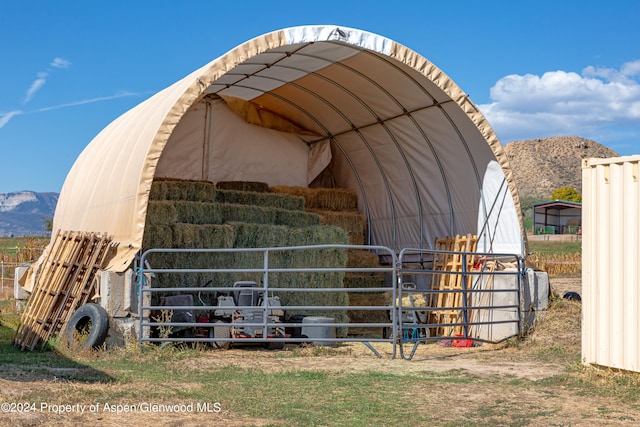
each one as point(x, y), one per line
point(498, 230)
point(282, 107)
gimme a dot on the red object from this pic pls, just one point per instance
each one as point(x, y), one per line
point(461, 343)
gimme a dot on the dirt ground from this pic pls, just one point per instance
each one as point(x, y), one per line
point(561, 285)
point(500, 370)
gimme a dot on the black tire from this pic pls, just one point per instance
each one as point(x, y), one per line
point(220, 331)
point(572, 296)
point(91, 321)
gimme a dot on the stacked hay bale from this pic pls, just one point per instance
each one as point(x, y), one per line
point(198, 214)
point(366, 259)
point(338, 207)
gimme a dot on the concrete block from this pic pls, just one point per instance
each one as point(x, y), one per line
point(122, 331)
point(116, 293)
point(535, 291)
point(504, 286)
point(497, 331)
point(18, 291)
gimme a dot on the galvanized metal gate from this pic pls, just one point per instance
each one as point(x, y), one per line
point(455, 297)
point(422, 300)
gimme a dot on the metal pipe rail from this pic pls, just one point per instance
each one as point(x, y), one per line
point(473, 298)
point(406, 323)
point(145, 291)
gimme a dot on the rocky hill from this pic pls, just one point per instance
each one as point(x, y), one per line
point(541, 166)
point(24, 213)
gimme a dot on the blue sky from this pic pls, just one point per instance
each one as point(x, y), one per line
point(535, 68)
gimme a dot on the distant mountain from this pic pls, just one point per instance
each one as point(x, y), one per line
point(24, 213)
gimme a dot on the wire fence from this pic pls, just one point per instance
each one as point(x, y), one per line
point(7, 274)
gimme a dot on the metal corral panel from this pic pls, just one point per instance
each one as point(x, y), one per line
point(611, 262)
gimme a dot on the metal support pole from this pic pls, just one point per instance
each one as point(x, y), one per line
point(465, 303)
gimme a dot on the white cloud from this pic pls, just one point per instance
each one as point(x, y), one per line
point(5, 117)
point(35, 87)
point(60, 63)
point(42, 78)
point(565, 103)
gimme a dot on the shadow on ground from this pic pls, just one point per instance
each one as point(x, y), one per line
point(38, 365)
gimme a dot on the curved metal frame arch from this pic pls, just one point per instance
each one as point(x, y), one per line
point(453, 126)
point(379, 121)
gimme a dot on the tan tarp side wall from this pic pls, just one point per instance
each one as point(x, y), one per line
point(213, 143)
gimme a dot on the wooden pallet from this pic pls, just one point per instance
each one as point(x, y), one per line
point(450, 280)
point(65, 282)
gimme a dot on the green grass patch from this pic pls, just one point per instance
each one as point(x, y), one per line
point(555, 248)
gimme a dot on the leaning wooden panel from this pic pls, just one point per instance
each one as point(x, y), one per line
point(64, 285)
point(452, 265)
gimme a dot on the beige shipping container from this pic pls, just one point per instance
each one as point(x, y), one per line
point(611, 262)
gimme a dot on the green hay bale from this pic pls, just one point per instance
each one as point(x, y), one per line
point(349, 221)
point(260, 187)
point(267, 215)
point(333, 199)
point(274, 200)
point(157, 236)
point(192, 236)
point(161, 213)
point(359, 280)
point(322, 258)
point(198, 212)
point(260, 236)
point(193, 260)
point(173, 189)
point(318, 235)
point(161, 260)
point(263, 235)
point(369, 299)
point(251, 235)
point(296, 218)
point(356, 239)
point(247, 214)
point(203, 236)
point(360, 258)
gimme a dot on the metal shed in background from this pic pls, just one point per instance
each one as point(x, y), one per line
point(557, 217)
point(610, 262)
